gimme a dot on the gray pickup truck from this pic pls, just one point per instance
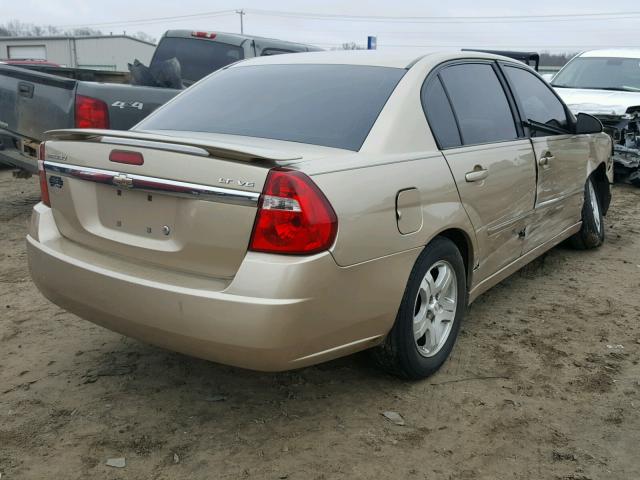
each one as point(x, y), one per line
point(34, 99)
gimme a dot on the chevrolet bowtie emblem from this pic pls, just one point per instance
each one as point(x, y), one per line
point(122, 180)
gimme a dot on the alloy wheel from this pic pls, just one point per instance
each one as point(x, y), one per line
point(435, 308)
point(595, 206)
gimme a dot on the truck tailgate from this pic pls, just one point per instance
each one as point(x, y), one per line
point(34, 102)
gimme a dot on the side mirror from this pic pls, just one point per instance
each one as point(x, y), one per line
point(586, 123)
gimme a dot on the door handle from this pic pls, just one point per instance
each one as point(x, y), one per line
point(477, 174)
point(545, 159)
point(25, 89)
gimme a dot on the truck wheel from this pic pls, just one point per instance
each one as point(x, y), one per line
point(429, 316)
point(591, 234)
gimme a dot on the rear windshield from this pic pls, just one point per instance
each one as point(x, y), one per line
point(600, 73)
point(329, 105)
point(198, 58)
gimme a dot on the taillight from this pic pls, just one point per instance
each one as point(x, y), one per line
point(91, 113)
point(294, 217)
point(44, 187)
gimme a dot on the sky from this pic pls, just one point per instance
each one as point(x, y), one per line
point(555, 26)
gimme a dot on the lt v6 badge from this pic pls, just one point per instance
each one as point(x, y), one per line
point(241, 183)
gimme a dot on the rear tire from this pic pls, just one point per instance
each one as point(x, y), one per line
point(591, 234)
point(430, 314)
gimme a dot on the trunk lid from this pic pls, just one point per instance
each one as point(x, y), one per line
point(189, 207)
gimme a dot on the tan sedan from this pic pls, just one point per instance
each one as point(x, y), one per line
point(292, 209)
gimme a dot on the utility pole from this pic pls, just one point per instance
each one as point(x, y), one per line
point(242, 13)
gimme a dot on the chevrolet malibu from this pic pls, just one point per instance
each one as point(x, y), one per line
point(292, 209)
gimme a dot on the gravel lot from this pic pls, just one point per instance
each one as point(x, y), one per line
point(544, 383)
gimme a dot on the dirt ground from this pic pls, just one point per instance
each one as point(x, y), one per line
point(544, 383)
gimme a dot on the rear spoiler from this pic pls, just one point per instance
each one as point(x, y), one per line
point(213, 148)
point(525, 57)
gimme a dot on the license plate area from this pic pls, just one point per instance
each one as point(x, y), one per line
point(150, 215)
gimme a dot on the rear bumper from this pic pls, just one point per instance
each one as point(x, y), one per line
point(277, 313)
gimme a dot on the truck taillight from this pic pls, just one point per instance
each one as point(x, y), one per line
point(294, 217)
point(44, 187)
point(91, 113)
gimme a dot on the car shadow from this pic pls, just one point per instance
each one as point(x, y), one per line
point(131, 369)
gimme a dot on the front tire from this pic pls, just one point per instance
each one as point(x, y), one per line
point(430, 314)
point(591, 234)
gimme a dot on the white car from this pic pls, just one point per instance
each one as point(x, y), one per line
point(606, 84)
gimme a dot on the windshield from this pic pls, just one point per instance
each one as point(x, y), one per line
point(197, 57)
point(600, 73)
point(329, 105)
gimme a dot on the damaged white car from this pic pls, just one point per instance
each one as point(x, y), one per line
point(606, 84)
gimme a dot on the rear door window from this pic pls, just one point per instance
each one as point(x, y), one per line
point(480, 103)
point(538, 101)
point(439, 114)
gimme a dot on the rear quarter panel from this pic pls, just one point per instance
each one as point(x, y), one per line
point(365, 202)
